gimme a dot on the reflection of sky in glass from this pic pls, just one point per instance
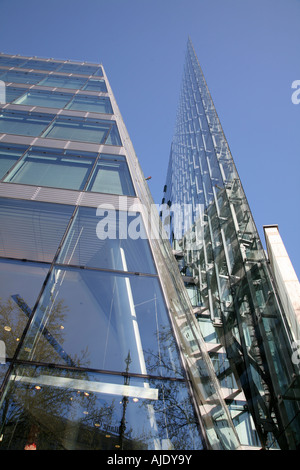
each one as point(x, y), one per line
point(119, 251)
point(101, 320)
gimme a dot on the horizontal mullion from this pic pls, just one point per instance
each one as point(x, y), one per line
point(97, 371)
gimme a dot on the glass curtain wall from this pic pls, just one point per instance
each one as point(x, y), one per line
point(66, 169)
point(93, 310)
point(220, 255)
point(89, 358)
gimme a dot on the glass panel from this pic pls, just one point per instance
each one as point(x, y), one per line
point(91, 103)
point(24, 124)
point(105, 321)
point(85, 131)
point(20, 285)
point(63, 81)
point(112, 178)
point(11, 61)
point(8, 156)
point(49, 409)
point(113, 137)
point(95, 85)
point(13, 93)
point(40, 65)
point(68, 67)
point(99, 72)
point(21, 77)
point(56, 171)
point(80, 69)
point(31, 230)
point(44, 98)
point(87, 69)
point(88, 245)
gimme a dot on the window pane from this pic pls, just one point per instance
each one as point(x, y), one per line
point(112, 178)
point(56, 171)
point(95, 85)
point(80, 69)
point(13, 93)
point(105, 240)
point(40, 65)
point(87, 69)
point(32, 230)
point(99, 72)
point(63, 82)
point(21, 77)
point(12, 61)
point(20, 285)
point(43, 98)
point(85, 131)
point(113, 137)
point(8, 157)
point(104, 321)
point(49, 409)
point(91, 103)
point(24, 124)
point(68, 68)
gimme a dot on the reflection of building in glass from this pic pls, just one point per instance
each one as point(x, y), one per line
point(102, 348)
point(108, 344)
point(227, 275)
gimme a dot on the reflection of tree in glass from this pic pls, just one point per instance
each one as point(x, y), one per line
point(51, 417)
point(31, 410)
point(14, 316)
point(45, 338)
point(175, 418)
point(164, 360)
point(12, 324)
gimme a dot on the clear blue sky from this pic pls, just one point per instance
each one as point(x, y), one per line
point(248, 50)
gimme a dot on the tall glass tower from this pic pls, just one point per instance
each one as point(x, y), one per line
point(227, 275)
point(99, 344)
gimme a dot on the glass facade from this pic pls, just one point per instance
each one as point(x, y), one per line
point(100, 348)
point(8, 156)
point(16, 76)
point(49, 65)
point(44, 98)
point(84, 130)
point(32, 230)
point(224, 268)
point(65, 128)
point(47, 99)
point(95, 85)
point(13, 93)
point(107, 342)
point(63, 81)
point(23, 123)
point(111, 176)
point(46, 169)
point(90, 103)
point(49, 167)
point(93, 411)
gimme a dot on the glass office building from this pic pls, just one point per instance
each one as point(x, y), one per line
point(227, 275)
point(99, 348)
